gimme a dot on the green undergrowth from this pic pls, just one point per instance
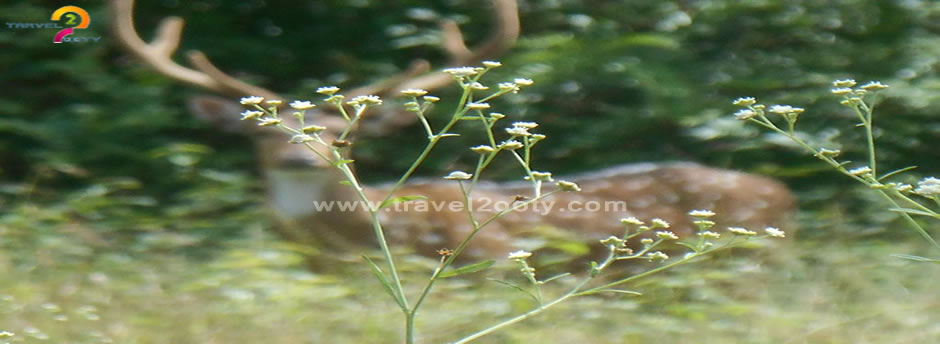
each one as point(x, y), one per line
point(253, 291)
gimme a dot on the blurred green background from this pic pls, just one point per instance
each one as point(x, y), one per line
point(109, 187)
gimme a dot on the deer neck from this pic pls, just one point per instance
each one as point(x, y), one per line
point(314, 199)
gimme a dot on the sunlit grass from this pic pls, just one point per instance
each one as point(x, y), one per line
point(825, 293)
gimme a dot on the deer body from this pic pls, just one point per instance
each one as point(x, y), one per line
point(300, 184)
point(644, 190)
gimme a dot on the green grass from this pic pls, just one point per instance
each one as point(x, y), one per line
point(823, 292)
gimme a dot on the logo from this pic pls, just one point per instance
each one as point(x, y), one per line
point(71, 13)
point(68, 20)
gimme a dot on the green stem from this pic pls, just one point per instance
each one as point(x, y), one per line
point(576, 291)
point(867, 123)
point(465, 96)
point(401, 299)
point(519, 318)
point(910, 220)
point(869, 136)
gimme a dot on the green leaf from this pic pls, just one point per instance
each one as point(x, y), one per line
point(400, 199)
point(915, 258)
point(516, 287)
point(379, 275)
point(914, 211)
point(690, 246)
point(570, 247)
point(555, 277)
point(628, 292)
point(896, 172)
point(339, 163)
point(646, 40)
point(468, 269)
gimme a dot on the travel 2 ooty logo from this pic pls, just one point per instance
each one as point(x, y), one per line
point(69, 20)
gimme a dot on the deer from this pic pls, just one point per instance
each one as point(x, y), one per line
point(296, 178)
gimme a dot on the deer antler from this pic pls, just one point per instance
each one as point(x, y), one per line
point(506, 14)
point(158, 54)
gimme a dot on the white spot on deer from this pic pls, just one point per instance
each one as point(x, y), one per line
point(670, 198)
point(639, 183)
point(671, 177)
point(712, 196)
point(742, 214)
point(643, 202)
point(692, 188)
point(596, 186)
point(765, 190)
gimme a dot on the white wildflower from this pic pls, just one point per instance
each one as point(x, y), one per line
point(929, 186)
point(841, 91)
point(328, 90)
point(254, 100)
point(301, 105)
point(365, 100)
point(785, 109)
point(657, 256)
point(517, 131)
point(702, 213)
point(744, 101)
point(741, 231)
point(709, 234)
point(510, 145)
point(860, 171)
point(267, 122)
point(745, 114)
point(458, 175)
point(482, 149)
point(844, 83)
point(774, 232)
point(520, 254)
point(874, 86)
point(568, 186)
point(666, 235)
point(508, 87)
point(632, 221)
point(414, 92)
point(478, 106)
point(461, 71)
point(250, 114)
point(523, 81)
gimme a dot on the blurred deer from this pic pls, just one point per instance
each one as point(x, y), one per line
point(297, 180)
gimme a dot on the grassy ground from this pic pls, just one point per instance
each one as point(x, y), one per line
point(825, 292)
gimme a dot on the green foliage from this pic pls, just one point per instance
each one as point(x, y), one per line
point(102, 171)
